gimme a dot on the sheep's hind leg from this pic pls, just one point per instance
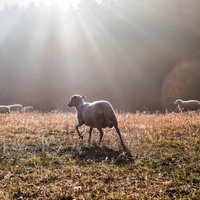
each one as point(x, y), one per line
point(101, 135)
point(90, 133)
point(120, 137)
point(79, 134)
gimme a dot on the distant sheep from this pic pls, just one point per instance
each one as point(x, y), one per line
point(28, 109)
point(190, 105)
point(54, 111)
point(98, 114)
point(15, 107)
point(4, 109)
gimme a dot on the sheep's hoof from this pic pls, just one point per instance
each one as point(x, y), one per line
point(81, 137)
point(99, 144)
point(89, 144)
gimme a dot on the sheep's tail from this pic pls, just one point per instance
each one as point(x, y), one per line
point(109, 115)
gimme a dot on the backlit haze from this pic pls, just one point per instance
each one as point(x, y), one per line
point(138, 54)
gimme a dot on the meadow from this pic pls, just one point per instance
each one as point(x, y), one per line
point(42, 157)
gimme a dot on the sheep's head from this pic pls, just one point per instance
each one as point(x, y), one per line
point(177, 102)
point(75, 100)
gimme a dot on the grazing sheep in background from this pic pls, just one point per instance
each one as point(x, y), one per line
point(4, 109)
point(15, 107)
point(98, 114)
point(187, 105)
point(28, 109)
point(54, 111)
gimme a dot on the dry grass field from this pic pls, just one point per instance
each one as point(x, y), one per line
point(41, 157)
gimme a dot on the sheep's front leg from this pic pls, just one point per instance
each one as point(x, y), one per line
point(101, 135)
point(79, 125)
point(179, 108)
point(90, 133)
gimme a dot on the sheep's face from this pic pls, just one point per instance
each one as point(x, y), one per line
point(177, 102)
point(74, 100)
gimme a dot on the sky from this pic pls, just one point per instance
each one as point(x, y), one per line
point(25, 3)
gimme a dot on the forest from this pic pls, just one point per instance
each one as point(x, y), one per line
point(140, 55)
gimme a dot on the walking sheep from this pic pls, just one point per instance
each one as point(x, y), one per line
point(187, 105)
point(15, 107)
point(98, 114)
point(4, 109)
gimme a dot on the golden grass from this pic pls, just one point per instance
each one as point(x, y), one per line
point(41, 157)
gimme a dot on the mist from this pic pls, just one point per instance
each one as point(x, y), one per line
point(140, 55)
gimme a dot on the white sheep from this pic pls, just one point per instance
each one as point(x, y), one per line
point(190, 105)
point(54, 111)
point(4, 109)
point(15, 107)
point(98, 114)
point(28, 109)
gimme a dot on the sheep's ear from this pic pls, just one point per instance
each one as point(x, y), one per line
point(83, 97)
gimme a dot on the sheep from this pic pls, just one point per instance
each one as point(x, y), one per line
point(55, 111)
point(4, 109)
point(190, 105)
point(98, 114)
point(28, 109)
point(15, 107)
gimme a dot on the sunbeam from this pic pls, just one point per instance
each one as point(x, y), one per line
point(120, 50)
point(61, 4)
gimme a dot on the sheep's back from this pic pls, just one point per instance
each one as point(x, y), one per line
point(15, 107)
point(4, 109)
point(191, 105)
point(99, 114)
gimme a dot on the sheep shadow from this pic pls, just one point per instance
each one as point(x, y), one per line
point(96, 153)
